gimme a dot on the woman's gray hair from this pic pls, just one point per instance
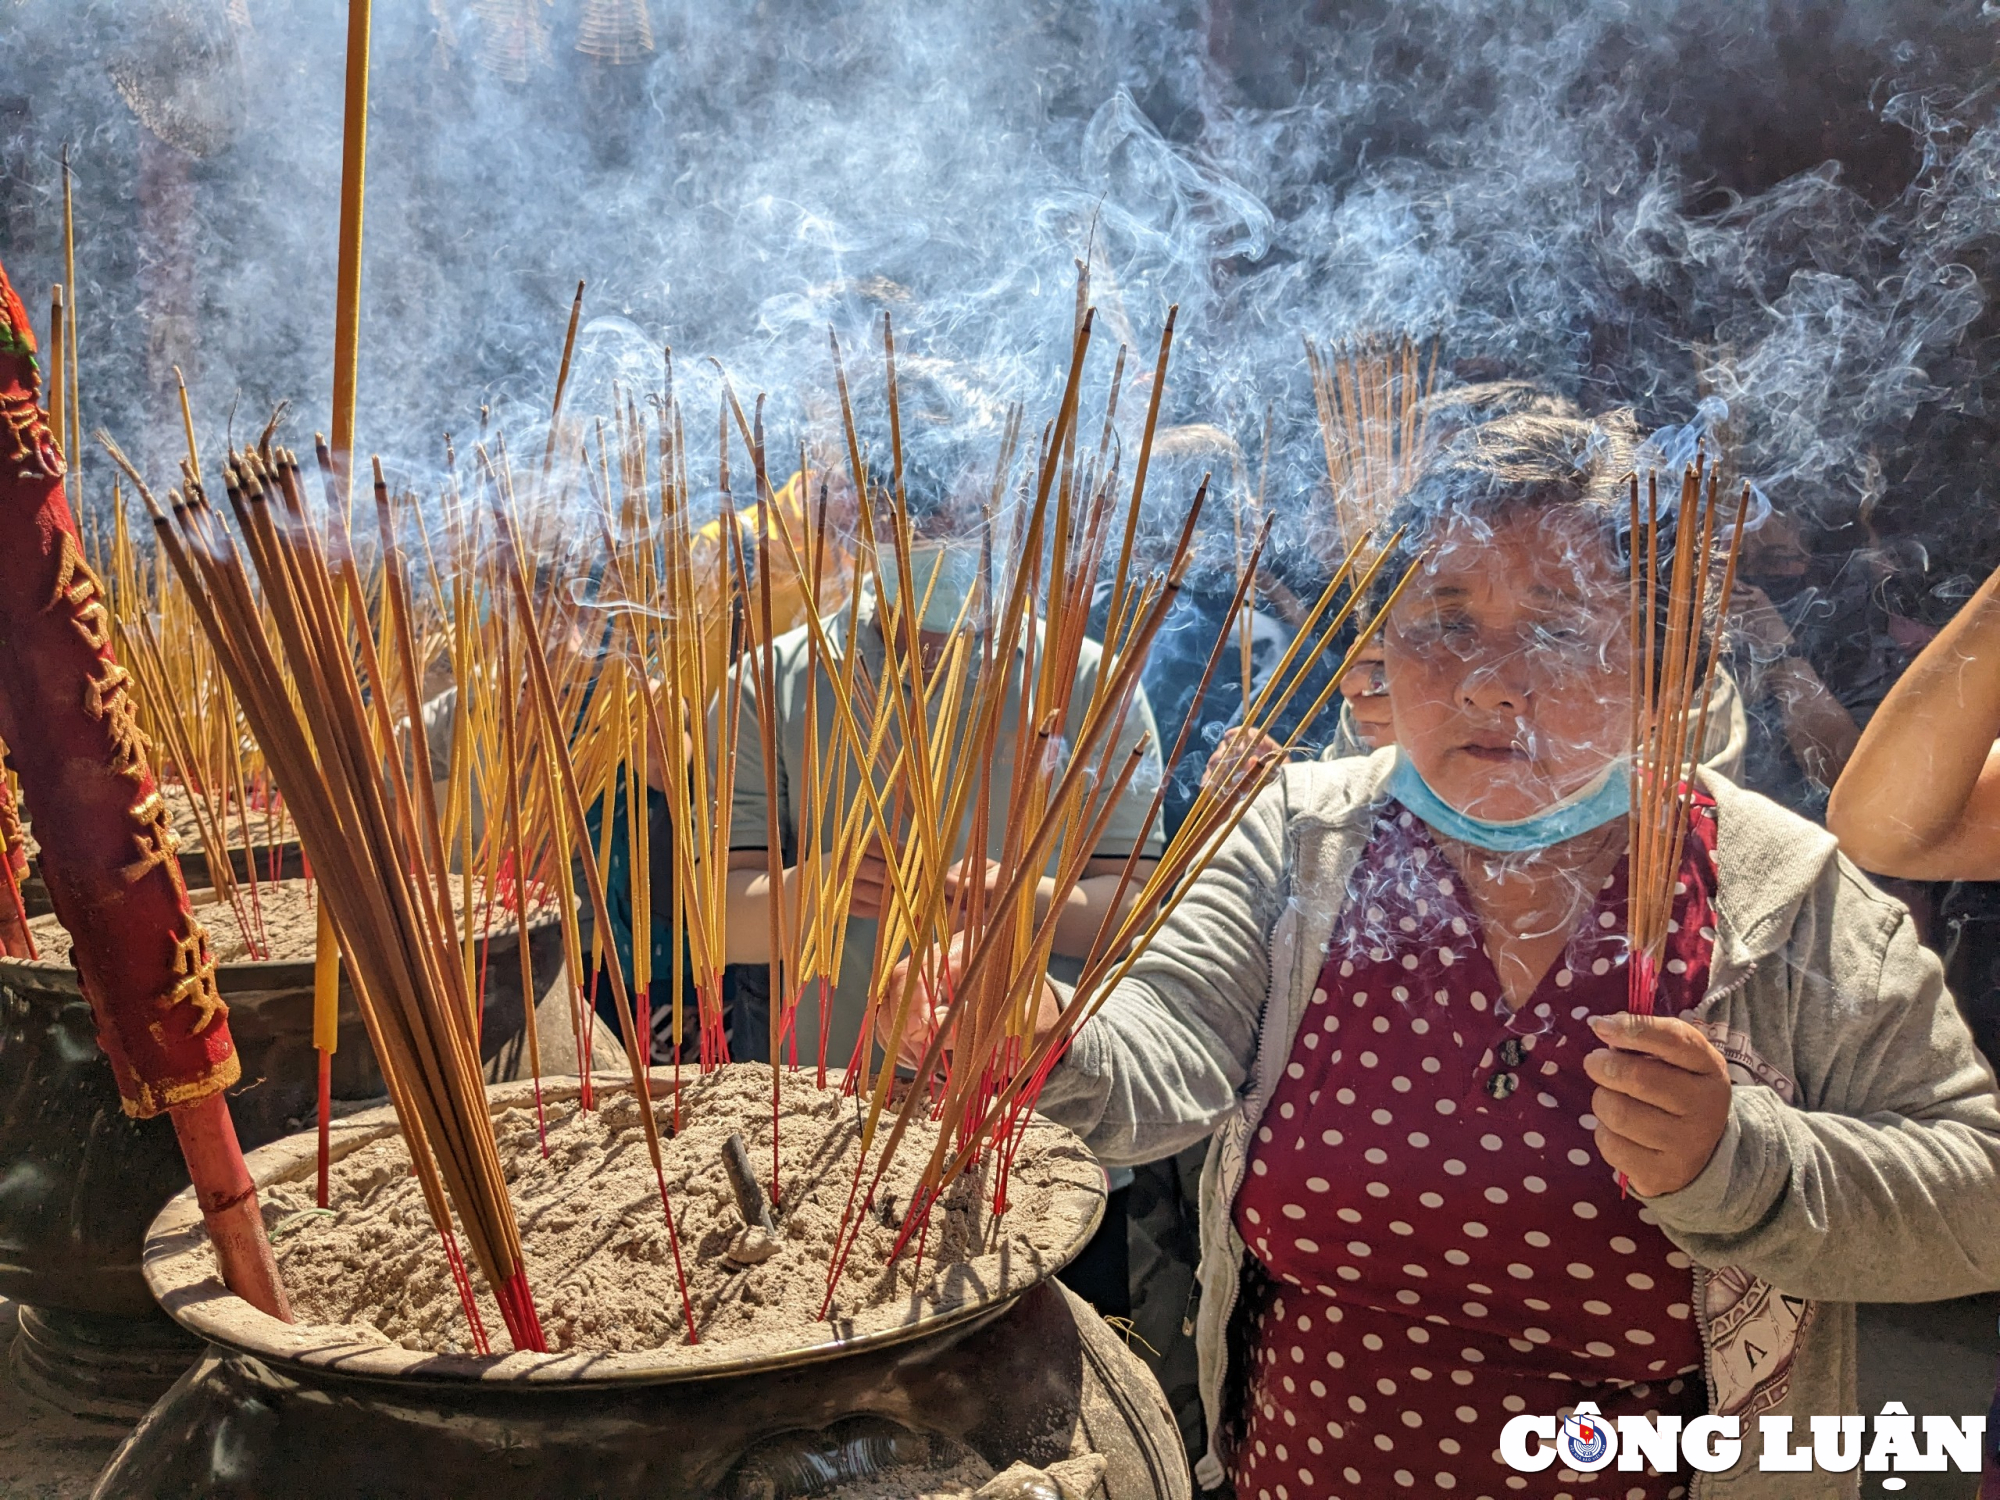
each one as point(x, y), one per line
point(1526, 461)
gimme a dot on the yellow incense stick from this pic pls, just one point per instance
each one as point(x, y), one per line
point(346, 362)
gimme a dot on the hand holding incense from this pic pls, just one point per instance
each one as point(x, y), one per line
point(1672, 684)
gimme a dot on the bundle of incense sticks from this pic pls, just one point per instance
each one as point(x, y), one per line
point(910, 764)
point(375, 840)
point(1672, 685)
point(1370, 395)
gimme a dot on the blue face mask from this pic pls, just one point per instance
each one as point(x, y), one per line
point(1606, 798)
point(942, 575)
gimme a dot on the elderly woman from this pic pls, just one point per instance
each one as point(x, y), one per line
point(1397, 997)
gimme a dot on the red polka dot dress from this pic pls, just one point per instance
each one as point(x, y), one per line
point(1441, 1245)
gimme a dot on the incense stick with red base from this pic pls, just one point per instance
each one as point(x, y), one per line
point(68, 717)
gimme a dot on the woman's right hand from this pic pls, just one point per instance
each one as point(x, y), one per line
point(1366, 689)
point(930, 1005)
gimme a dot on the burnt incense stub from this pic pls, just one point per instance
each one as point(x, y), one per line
point(743, 1178)
point(758, 1241)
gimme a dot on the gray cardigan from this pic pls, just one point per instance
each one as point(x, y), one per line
point(1861, 1161)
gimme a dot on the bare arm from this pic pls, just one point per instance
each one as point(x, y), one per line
point(1920, 798)
point(1820, 731)
point(1088, 907)
point(747, 939)
point(747, 924)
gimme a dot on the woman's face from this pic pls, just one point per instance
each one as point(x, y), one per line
point(1508, 662)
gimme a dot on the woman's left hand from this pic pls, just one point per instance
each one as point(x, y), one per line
point(1662, 1099)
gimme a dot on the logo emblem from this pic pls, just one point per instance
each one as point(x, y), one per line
point(1585, 1442)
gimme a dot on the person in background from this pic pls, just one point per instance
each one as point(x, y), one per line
point(1888, 599)
point(795, 505)
point(826, 493)
point(1919, 798)
point(950, 437)
point(727, 634)
point(1453, 1178)
point(1799, 733)
point(947, 458)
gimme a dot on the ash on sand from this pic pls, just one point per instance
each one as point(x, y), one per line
point(595, 1239)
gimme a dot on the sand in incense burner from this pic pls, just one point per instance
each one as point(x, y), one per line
point(596, 1242)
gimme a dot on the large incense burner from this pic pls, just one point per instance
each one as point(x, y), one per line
point(991, 1365)
point(85, 1180)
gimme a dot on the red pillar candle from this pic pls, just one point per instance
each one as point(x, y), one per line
point(69, 719)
